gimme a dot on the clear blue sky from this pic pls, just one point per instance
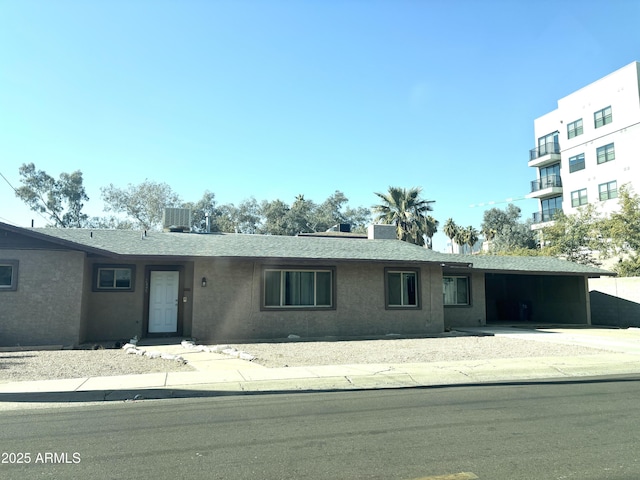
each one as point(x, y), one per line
point(271, 99)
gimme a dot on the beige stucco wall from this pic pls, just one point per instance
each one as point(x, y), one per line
point(46, 308)
point(230, 306)
point(121, 315)
point(114, 315)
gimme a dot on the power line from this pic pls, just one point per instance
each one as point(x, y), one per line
point(8, 183)
point(498, 202)
point(16, 192)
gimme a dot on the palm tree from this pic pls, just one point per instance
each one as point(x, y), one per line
point(431, 230)
point(471, 237)
point(461, 238)
point(407, 211)
point(450, 230)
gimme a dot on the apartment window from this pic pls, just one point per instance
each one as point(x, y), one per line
point(605, 153)
point(298, 288)
point(603, 117)
point(579, 197)
point(456, 290)
point(574, 128)
point(402, 288)
point(118, 278)
point(608, 190)
point(576, 163)
point(8, 275)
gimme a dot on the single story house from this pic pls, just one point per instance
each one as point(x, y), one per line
point(71, 286)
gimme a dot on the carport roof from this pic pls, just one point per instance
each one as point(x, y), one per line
point(134, 243)
point(529, 264)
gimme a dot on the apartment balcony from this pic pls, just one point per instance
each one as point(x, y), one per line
point(548, 186)
point(545, 215)
point(546, 154)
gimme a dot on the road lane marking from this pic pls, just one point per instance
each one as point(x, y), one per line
point(452, 476)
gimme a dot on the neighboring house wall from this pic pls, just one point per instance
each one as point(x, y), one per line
point(46, 307)
point(615, 301)
point(471, 315)
point(231, 304)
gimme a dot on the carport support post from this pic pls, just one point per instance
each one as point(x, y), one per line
point(587, 300)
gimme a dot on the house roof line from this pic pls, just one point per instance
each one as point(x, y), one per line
point(58, 241)
point(130, 244)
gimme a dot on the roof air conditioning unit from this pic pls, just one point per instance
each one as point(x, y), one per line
point(176, 220)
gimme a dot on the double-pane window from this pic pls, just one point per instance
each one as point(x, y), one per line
point(455, 290)
point(579, 197)
point(606, 153)
point(298, 288)
point(402, 288)
point(608, 190)
point(603, 117)
point(574, 129)
point(576, 163)
point(114, 278)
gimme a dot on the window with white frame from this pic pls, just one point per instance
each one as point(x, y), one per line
point(606, 153)
point(113, 278)
point(291, 288)
point(579, 197)
point(455, 290)
point(576, 163)
point(603, 117)
point(574, 128)
point(608, 190)
point(401, 288)
point(8, 275)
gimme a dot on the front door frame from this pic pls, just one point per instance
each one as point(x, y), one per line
point(147, 293)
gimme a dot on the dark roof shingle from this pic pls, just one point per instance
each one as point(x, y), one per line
point(126, 243)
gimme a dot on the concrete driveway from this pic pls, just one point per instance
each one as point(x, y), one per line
point(610, 339)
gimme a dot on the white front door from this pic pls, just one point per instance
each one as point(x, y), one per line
point(163, 302)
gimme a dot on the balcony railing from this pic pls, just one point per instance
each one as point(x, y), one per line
point(543, 150)
point(546, 182)
point(545, 215)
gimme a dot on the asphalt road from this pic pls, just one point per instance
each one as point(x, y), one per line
point(586, 429)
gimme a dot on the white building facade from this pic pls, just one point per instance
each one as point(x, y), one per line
point(588, 147)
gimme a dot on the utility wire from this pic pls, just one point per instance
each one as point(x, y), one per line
point(16, 192)
point(8, 183)
point(494, 202)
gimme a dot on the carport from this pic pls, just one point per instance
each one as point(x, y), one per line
point(539, 298)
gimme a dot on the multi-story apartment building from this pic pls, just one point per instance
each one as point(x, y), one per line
point(588, 147)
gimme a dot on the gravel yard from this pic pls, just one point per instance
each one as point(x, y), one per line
point(53, 364)
point(298, 354)
point(48, 364)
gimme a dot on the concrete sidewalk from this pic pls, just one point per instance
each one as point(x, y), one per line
point(217, 374)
